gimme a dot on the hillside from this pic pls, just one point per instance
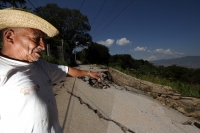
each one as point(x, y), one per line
point(188, 61)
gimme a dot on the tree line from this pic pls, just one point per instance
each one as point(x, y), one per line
point(143, 67)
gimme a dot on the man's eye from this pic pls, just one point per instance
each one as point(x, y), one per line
point(37, 39)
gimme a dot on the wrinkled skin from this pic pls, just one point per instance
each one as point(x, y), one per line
point(24, 44)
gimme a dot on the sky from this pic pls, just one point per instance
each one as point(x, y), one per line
point(145, 29)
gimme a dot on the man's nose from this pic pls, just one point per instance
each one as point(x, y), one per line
point(42, 44)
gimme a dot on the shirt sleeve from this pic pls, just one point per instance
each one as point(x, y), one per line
point(55, 72)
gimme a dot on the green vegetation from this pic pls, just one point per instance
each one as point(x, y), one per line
point(0, 45)
point(12, 3)
point(182, 80)
point(72, 25)
point(52, 59)
point(97, 54)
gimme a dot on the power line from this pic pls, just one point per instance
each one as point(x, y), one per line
point(36, 3)
point(31, 4)
point(81, 5)
point(98, 12)
point(35, 8)
point(115, 18)
point(110, 11)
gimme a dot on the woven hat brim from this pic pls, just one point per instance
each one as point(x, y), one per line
point(18, 18)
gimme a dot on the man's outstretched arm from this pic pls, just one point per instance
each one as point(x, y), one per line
point(73, 72)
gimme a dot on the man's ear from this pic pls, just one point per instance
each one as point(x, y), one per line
point(8, 36)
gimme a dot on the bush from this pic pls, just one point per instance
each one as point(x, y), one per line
point(52, 59)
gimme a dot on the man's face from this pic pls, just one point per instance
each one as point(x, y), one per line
point(28, 44)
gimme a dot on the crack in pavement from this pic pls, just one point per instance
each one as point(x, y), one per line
point(126, 89)
point(100, 115)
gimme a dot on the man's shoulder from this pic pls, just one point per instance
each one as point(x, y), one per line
point(41, 62)
point(44, 62)
point(3, 62)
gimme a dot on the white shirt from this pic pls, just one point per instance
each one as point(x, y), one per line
point(27, 103)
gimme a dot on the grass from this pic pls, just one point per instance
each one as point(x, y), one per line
point(182, 88)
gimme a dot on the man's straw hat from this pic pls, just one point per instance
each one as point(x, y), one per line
point(12, 17)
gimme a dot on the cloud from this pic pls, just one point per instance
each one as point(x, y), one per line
point(157, 53)
point(162, 51)
point(143, 49)
point(167, 52)
point(151, 58)
point(149, 51)
point(122, 42)
point(107, 43)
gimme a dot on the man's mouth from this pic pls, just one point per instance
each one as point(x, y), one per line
point(37, 54)
point(38, 51)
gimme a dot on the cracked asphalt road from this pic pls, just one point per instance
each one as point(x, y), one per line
point(84, 109)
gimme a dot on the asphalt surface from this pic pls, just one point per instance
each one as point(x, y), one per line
point(86, 109)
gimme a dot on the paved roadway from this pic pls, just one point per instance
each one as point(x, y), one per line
point(85, 109)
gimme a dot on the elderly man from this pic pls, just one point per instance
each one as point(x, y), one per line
point(27, 103)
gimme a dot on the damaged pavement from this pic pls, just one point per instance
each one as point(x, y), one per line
point(87, 106)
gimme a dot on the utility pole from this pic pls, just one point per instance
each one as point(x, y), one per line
point(75, 49)
point(13, 3)
point(62, 45)
point(48, 50)
point(61, 51)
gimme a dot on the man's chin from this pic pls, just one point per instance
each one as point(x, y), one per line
point(36, 59)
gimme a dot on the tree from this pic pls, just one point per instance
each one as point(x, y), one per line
point(0, 45)
point(178, 73)
point(124, 61)
point(72, 25)
point(195, 78)
point(97, 54)
point(12, 3)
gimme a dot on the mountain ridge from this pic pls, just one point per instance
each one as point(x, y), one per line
point(187, 61)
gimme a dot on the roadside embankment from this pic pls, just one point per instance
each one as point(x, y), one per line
point(189, 106)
